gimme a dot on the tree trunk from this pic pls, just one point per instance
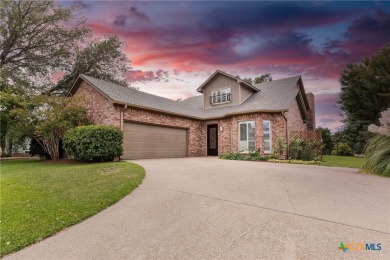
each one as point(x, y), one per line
point(3, 147)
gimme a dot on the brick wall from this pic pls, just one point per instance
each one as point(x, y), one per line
point(295, 122)
point(99, 109)
point(311, 114)
point(228, 137)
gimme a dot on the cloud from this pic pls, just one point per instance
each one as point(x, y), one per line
point(365, 35)
point(136, 76)
point(326, 120)
point(80, 4)
point(120, 20)
point(133, 14)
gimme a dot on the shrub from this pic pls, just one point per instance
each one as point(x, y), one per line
point(378, 153)
point(232, 156)
point(307, 153)
point(378, 147)
point(281, 146)
point(252, 156)
point(342, 149)
point(295, 149)
point(94, 143)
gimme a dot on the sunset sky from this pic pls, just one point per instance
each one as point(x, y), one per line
point(175, 46)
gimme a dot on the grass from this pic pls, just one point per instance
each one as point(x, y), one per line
point(38, 199)
point(330, 160)
point(343, 161)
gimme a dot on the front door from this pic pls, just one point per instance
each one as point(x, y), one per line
point(212, 140)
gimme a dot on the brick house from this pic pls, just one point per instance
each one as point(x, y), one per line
point(230, 116)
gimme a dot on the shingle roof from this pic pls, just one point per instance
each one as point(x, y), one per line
point(273, 96)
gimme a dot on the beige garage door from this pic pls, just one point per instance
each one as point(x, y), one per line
point(146, 141)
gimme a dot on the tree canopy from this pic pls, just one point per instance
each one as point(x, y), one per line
point(40, 38)
point(35, 37)
point(263, 78)
point(102, 58)
point(258, 79)
point(365, 92)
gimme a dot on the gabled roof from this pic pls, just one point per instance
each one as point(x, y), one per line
point(218, 72)
point(272, 96)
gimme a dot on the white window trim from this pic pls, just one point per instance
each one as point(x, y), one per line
point(270, 137)
point(247, 135)
point(220, 90)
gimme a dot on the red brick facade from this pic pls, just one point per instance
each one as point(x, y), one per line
point(311, 118)
point(102, 111)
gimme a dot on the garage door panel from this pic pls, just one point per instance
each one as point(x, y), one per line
point(147, 141)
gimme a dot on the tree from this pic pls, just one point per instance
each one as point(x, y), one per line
point(258, 79)
point(102, 58)
point(36, 37)
point(52, 117)
point(365, 92)
point(326, 140)
point(263, 78)
point(11, 105)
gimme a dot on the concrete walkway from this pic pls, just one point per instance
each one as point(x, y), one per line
point(207, 208)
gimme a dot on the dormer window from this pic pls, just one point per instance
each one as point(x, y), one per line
point(220, 96)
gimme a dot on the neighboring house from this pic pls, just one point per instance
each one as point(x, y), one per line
point(230, 116)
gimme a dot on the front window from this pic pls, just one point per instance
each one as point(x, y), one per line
point(220, 96)
point(267, 136)
point(246, 138)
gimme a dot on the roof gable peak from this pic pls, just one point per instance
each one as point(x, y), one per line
point(220, 72)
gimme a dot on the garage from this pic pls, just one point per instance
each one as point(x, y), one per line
point(142, 141)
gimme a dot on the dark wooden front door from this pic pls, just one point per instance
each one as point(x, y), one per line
point(212, 140)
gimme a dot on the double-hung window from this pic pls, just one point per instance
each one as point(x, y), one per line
point(267, 136)
point(246, 136)
point(220, 96)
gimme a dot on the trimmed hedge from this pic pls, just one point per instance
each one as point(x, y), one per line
point(94, 143)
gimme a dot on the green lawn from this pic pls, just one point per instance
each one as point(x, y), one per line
point(343, 161)
point(39, 198)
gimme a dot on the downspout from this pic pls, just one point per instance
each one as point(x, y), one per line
point(288, 142)
point(121, 118)
point(121, 112)
point(231, 139)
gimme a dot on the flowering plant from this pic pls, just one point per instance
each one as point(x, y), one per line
point(384, 128)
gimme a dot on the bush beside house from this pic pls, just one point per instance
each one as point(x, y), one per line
point(94, 143)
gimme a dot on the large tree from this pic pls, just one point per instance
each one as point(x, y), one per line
point(365, 92)
point(36, 37)
point(102, 58)
point(39, 38)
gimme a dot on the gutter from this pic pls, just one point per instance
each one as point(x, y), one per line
point(195, 117)
point(288, 141)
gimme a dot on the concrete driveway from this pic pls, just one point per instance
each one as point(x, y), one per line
point(207, 208)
